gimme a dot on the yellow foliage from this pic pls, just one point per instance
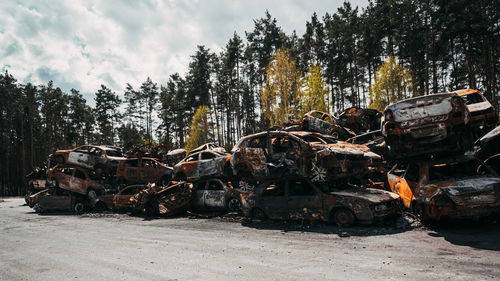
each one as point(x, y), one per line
point(281, 91)
point(315, 92)
point(201, 129)
point(392, 84)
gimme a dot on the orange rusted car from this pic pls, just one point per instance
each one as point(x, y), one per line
point(102, 159)
point(121, 200)
point(143, 170)
point(206, 161)
point(452, 188)
point(78, 180)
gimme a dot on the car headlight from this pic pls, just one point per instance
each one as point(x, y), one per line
point(380, 207)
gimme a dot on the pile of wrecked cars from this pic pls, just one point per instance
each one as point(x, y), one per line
point(434, 155)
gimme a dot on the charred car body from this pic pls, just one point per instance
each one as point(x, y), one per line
point(56, 199)
point(216, 194)
point(298, 198)
point(122, 200)
point(450, 188)
point(427, 124)
point(359, 120)
point(206, 161)
point(324, 123)
point(165, 200)
point(143, 170)
point(102, 159)
point(274, 154)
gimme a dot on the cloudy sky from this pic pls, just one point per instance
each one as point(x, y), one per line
point(82, 44)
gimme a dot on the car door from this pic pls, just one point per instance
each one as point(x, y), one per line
point(303, 200)
point(254, 155)
point(131, 170)
point(285, 155)
point(147, 170)
point(199, 200)
point(80, 156)
point(214, 194)
point(190, 166)
point(78, 182)
point(123, 197)
point(399, 185)
point(207, 165)
point(272, 200)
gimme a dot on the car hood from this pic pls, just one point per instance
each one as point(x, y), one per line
point(345, 148)
point(370, 194)
point(420, 107)
point(467, 191)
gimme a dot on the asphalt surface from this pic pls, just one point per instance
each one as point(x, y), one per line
point(111, 246)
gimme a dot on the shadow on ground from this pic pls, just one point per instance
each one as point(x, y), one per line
point(483, 234)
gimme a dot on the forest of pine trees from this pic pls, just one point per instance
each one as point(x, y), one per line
point(441, 45)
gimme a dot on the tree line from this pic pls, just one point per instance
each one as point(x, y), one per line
point(261, 78)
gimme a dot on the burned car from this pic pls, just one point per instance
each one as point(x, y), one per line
point(143, 170)
point(324, 123)
point(450, 188)
point(121, 200)
point(359, 120)
point(274, 154)
point(163, 200)
point(483, 117)
point(78, 180)
point(431, 124)
point(206, 161)
point(36, 181)
point(298, 198)
point(56, 199)
point(175, 156)
point(216, 194)
point(102, 159)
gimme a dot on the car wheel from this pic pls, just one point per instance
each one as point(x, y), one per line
point(258, 215)
point(37, 208)
point(79, 208)
point(343, 217)
point(234, 205)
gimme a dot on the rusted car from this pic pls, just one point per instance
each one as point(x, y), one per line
point(56, 199)
point(299, 199)
point(143, 170)
point(102, 159)
point(206, 161)
point(36, 181)
point(324, 123)
point(274, 154)
point(483, 116)
point(427, 125)
point(78, 180)
point(165, 200)
point(359, 120)
point(450, 188)
point(216, 194)
point(488, 149)
point(121, 200)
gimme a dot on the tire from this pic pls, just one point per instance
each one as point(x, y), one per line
point(234, 205)
point(79, 208)
point(343, 217)
point(258, 215)
point(37, 208)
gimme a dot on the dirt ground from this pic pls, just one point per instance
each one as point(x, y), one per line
point(111, 246)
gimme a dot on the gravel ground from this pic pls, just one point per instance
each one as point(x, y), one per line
point(110, 246)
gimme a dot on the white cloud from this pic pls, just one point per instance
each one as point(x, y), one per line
point(83, 44)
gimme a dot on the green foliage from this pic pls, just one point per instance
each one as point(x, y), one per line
point(392, 84)
point(201, 130)
point(107, 114)
point(281, 92)
point(315, 93)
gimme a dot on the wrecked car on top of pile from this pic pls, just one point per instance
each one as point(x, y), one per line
point(359, 120)
point(206, 161)
point(435, 123)
point(483, 117)
point(103, 159)
point(324, 123)
point(274, 154)
point(175, 156)
point(143, 170)
point(459, 187)
point(296, 198)
point(216, 194)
